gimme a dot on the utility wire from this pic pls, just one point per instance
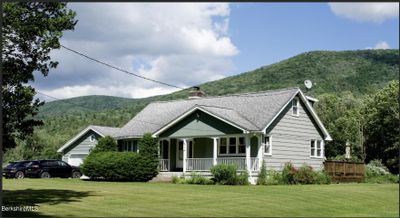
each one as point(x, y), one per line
point(120, 69)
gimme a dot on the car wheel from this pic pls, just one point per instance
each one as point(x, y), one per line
point(19, 175)
point(45, 175)
point(76, 175)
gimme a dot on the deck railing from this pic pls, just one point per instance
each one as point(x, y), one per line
point(199, 164)
point(164, 164)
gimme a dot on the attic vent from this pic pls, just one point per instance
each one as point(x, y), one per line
point(195, 93)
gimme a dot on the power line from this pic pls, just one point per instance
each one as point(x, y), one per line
point(120, 69)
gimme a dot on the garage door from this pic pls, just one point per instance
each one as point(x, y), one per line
point(76, 159)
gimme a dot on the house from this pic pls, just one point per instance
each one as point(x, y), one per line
point(276, 126)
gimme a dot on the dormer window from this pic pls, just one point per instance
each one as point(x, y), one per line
point(295, 107)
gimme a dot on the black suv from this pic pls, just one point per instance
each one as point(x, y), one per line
point(16, 169)
point(52, 168)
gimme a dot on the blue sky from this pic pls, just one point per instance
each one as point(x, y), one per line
point(269, 32)
point(186, 44)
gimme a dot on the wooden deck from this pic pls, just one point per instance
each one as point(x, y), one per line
point(342, 171)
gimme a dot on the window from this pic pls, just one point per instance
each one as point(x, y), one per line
point(130, 146)
point(267, 145)
point(232, 146)
point(92, 138)
point(222, 146)
point(242, 146)
point(295, 107)
point(316, 148)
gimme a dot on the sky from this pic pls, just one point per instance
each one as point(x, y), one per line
point(186, 44)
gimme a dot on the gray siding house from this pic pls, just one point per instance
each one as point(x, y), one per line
point(276, 126)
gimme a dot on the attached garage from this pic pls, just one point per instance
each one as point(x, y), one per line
point(76, 159)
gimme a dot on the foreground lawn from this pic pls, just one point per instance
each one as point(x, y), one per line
point(70, 197)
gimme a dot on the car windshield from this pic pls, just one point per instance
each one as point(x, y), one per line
point(10, 164)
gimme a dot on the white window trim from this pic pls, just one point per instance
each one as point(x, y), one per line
point(315, 148)
point(227, 146)
point(270, 145)
point(297, 106)
point(92, 138)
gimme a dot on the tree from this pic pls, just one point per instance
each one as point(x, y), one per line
point(30, 31)
point(148, 152)
point(105, 144)
point(382, 126)
point(341, 114)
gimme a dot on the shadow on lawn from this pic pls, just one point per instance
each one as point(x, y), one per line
point(33, 197)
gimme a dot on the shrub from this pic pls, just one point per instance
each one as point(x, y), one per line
point(322, 178)
point(224, 174)
point(376, 168)
point(197, 179)
point(288, 173)
point(118, 166)
point(388, 178)
point(178, 180)
point(105, 144)
point(262, 176)
point(242, 178)
point(304, 175)
point(274, 178)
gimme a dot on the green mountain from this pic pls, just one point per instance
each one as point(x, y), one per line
point(359, 72)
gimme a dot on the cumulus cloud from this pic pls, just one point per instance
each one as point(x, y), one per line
point(380, 45)
point(369, 12)
point(178, 43)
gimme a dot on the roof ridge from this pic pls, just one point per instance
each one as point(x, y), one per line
point(229, 95)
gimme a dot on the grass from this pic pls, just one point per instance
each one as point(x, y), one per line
point(70, 197)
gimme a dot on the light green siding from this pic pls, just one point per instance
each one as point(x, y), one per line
point(199, 124)
point(291, 137)
point(83, 144)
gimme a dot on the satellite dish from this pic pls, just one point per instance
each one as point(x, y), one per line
point(308, 84)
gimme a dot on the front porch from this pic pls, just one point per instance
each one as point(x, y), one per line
point(200, 154)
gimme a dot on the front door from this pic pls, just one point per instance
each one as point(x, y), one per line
point(179, 152)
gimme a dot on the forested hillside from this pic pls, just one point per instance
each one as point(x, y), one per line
point(345, 74)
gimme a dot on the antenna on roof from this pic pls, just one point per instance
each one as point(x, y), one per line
point(308, 84)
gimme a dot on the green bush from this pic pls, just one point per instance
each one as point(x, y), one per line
point(199, 180)
point(376, 172)
point(304, 175)
point(224, 174)
point(288, 173)
point(322, 178)
point(107, 143)
point(242, 178)
point(178, 180)
point(262, 176)
point(274, 178)
point(118, 166)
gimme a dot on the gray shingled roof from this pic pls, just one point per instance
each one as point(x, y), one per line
point(105, 130)
point(251, 111)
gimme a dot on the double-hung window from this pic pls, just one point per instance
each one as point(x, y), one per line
point(316, 147)
point(267, 145)
point(295, 107)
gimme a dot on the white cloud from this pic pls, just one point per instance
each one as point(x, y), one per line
point(179, 43)
point(380, 45)
point(373, 12)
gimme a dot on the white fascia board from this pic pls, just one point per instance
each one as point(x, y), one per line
point(315, 116)
point(280, 111)
point(158, 132)
point(83, 132)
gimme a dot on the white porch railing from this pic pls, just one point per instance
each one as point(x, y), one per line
point(240, 162)
point(254, 164)
point(199, 164)
point(164, 163)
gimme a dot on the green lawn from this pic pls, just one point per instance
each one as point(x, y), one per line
point(69, 197)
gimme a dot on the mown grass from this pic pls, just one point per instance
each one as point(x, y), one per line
point(69, 197)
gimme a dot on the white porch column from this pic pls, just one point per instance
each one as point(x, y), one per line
point(184, 150)
point(260, 150)
point(248, 160)
point(215, 151)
